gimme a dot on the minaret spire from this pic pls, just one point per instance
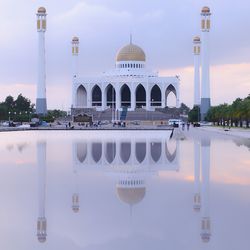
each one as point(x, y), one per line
point(130, 38)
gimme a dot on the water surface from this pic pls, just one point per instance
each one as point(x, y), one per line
point(113, 190)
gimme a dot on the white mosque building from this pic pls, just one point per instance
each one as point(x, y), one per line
point(129, 85)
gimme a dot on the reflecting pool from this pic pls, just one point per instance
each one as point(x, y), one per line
point(114, 190)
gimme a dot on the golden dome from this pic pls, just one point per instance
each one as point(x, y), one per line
point(131, 196)
point(131, 52)
point(197, 39)
point(75, 39)
point(205, 10)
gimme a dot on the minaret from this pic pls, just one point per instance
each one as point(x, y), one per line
point(197, 197)
point(205, 163)
point(197, 49)
point(75, 51)
point(41, 163)
point(205, 82)
point(41, 103)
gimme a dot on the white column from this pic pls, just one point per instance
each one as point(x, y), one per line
point(205, 81)
point(197, 198)
point(89, 97)
point(41, 163)
point(197, 98)
point(205, 163)
point(163, 100)
point(148, 100)
point(118, 97)
point(104, 101)
point(133, 101)
point(41, 103)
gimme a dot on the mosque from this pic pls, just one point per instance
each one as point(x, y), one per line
point(129, 85)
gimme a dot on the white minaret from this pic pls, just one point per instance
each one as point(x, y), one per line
point(75, 52)
point(197, 49)
point(205, 81)
point(205, 163)
point(197, 197)
point(41, 103)
point(41, 163)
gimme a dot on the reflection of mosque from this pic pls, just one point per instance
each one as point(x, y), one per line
point(201, 194)
point(128, 161)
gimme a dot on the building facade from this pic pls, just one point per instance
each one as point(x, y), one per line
point(130, 85)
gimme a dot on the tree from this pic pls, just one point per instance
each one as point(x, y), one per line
point(194, 114)
point(22, 103)
point(9, 102)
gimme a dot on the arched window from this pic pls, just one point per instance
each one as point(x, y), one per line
point(155, 96)
point(81, 97)
point(170, 96)
point(140, 96)
point(110, 96)
point(96, 96)
point(125, 96)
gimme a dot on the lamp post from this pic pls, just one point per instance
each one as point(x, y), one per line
point(9, 117)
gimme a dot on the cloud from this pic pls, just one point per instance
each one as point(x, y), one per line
point(162, 28)
point(232, 79)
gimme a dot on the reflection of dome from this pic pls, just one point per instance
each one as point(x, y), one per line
point(41, 10)
point(75, 39)
point(75, 209)
point(205, 10)
point(131, 195)
point(131, 52)
point(205, 237)
point(197, 39)
point(41, 238)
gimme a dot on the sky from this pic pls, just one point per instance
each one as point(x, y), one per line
point(163, 28)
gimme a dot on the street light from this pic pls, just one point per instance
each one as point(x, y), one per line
point(9, 117)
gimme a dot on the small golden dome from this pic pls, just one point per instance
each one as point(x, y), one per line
point(41, 10)
point(131, 52)
point(131, 196)
point(197, 39)
point(205, 10)
point(75, 39)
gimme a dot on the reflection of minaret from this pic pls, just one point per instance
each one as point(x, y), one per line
point(197, 198)
point(41, 103)
point(75, 196)
point(205, 82)
point(41, 162)
point(205, 162)
point(197, 98)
